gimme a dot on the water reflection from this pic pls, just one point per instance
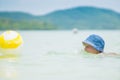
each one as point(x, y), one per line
point(8, 65)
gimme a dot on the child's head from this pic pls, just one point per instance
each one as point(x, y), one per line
point(94, 44)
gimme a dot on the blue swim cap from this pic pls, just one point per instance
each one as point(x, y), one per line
point(95, 41)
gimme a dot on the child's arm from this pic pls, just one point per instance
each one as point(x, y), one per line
point(112, 54)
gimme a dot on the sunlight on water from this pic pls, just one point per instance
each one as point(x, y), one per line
point(8, 60)
point(59, 55)
point(8, 69)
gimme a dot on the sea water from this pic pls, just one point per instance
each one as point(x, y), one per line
point(59, 55)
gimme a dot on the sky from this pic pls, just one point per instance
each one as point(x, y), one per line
point(41, 7)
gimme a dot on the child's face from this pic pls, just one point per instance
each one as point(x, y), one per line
point(88, 48)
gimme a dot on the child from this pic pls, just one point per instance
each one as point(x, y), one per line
point(95, 44)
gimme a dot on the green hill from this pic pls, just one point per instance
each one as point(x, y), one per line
point(85, 18)
point(22, 21)
point(16, 15)
point(79, 17)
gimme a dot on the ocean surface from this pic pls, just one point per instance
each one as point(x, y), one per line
point(59, 55)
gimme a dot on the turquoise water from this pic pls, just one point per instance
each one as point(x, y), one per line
point(58, 55)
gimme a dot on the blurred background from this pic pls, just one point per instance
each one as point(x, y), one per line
point(59, 14)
